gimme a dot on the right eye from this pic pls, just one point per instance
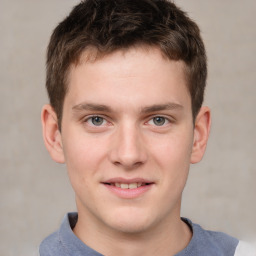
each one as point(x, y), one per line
point(96, 121)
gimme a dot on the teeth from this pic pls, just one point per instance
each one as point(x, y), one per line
point(133, 185)
point(128, 186)
point(117, 185)
point(124, 185)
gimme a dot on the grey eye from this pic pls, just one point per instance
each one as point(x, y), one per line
point(159, 120)
point(97, 120)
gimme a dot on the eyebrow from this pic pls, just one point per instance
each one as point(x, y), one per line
point(92, 107)
point(144, 110)
point(161, 107)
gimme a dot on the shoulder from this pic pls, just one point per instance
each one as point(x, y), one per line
point(55, 244)
point(216, 241)
point(64, 242)
point(51, 246)
point(210, 243)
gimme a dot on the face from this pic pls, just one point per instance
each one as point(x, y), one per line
point(127, 139)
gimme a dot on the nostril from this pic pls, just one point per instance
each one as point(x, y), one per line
point(128, 165)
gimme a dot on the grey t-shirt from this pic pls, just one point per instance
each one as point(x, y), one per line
point(203, 243)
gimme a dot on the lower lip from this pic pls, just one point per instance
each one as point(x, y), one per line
point(128, 193)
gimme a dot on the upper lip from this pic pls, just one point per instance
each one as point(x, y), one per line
point(127, 181)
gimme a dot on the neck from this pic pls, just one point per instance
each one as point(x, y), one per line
point(166, 238)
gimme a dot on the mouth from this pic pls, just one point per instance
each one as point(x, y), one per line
point(128, 189)
point(132, 185)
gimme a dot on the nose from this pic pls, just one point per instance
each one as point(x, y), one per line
point(128, 148)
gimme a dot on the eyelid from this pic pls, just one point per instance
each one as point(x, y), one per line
point(167, 118)
point(108, 121)
point(89, 117)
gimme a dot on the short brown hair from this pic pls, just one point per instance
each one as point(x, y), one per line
point(110, 25)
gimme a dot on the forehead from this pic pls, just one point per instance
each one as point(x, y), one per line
point(136, 71)
point(137, 53)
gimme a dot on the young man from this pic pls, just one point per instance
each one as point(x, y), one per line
point(126, 83)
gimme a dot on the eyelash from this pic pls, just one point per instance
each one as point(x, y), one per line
point(165, 119)
point(89, 120)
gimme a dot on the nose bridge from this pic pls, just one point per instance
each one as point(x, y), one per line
point(128, 147)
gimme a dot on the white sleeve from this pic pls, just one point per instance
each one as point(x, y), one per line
point(245, 249)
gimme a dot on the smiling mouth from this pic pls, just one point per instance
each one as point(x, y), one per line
point(128, 189)
point(128, 185)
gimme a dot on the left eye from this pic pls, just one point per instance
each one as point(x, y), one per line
point(96, 121)
point(158, 121)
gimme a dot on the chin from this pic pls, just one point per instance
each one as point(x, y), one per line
point(129, 227)
point(132, 222)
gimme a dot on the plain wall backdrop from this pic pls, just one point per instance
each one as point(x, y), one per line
point(35, 192)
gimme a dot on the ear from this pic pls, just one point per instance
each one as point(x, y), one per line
point(51, 134)
point(201, 134)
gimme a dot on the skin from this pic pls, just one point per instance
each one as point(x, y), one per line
point(126, 91)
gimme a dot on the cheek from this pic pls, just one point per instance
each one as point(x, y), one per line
point(173, 150)
point(81, 150)
point(172, 157)
point(83, 157)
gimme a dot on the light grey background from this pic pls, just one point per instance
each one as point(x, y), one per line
point(35, 193)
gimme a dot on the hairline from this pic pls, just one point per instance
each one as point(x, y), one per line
point(91, 54)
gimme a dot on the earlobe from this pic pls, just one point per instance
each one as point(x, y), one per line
point(51, 134)
point(201, 134)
